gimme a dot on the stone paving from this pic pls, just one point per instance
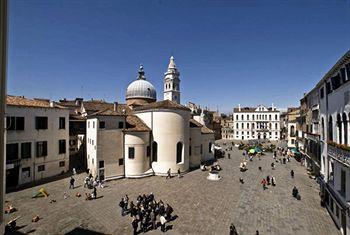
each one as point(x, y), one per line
point(202, 206)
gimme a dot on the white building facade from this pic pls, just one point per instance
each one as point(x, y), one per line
point(255, 123)
point(37, 140)
point(148, 137)
point(334, 109)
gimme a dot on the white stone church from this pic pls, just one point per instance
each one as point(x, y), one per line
point(144, 136)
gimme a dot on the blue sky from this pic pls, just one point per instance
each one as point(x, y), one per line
point(228, 52)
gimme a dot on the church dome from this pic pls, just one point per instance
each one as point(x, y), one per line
point(141, 89)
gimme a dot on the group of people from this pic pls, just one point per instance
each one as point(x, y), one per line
point(145, 211)
point(90, 182)
point(270, 180)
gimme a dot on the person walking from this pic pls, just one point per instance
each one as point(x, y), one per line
point(121, 204)
point(72, 180)
point(168, 174)
point(268, 179)
point(233, 230)
point(263, 182)
point(126, 202)
point(179, 173)
point(292, 173)
point(153, 219)
point(273, 181)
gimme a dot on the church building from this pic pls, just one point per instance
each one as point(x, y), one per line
point(146, 137)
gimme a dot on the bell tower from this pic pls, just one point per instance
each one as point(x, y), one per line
point(172, 82)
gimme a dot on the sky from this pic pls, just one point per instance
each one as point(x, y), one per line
point(228, 52)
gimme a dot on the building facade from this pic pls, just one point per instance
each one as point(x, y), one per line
point(334, 116)
point(259, 123)
point(37, 140)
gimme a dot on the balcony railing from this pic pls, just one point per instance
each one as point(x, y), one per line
point(339, 153)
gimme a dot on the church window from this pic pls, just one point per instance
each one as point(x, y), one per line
point(179, 147)
point(131, 152)
point(155, 151)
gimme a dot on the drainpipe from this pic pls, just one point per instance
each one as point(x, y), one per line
point(3, 65)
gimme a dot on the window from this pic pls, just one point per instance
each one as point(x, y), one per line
point(102, 125)
point(131, 152)
point(242, 117)
point(276, 117)
point(342, 75)
point(292, 141)
point(61, 146)
point(328, 88)
point(247, 125)
point(236, 117)
point(62, 124)
point(322, 127)
point(178, 152)
point(121, 161)
point(236, 125)
point(347, 67)
point(343, 182)
point(155, 151)
point(190, 150)
point(148, 151)
point(41, 168)
point(270, 117)
point(41, 149)
point(336, 83)
point(62, 163)
point(88, 124)
point(253, 117)
point(276, 126)
point(93, 124)
point(15, 123)
point(11, 152)
point(26, 172)
point(41, 123)
point(101, 164)
point(330, 129)
point(242, 125)
point(210, 145)
point(26, 150)
point(247, 116)
point(321, 92)
point(121, 125)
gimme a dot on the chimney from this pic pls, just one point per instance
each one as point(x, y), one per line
point(51, 104)
point(239, 107)
point(115, 106)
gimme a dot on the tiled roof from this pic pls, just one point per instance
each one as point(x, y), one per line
point(206, 130)
point(93, 106)
point(106, 112)
point(134, 123)
point(165, 104)
point(26, 102)
point(194, 123)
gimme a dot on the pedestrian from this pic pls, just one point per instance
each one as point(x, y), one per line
point(86, 182)
point(179, 173)
point(168, 174)
point(94, 193)
point(295, 192)
point(233, 230)
point(268, 179)
point(121, 204)
point(162, 223)
point(257, 232)
point(273, 165)
point(153, 219)
point(273, 181)
point(126, 202)
point(263, 182)
point(134, 224)
point(292, 173)
point(229, 156)
point(241, 180)
point(72, 180)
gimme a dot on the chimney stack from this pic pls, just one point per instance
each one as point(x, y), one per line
point(51, 104)
point(115, 106)
point(239, 107)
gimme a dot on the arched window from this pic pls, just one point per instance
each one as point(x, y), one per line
point(276, 117)
point(236, 117)
point(242, 125)
point(253, 125)
point(276, 126)
point(179, 152)
point(154, 151)
point(270, 125)
point(253, 117)
point(339, 129)
point(247, 125)
point(270, 117)
point(330, 128)
point(322, 126)
point(210, 145)
point(236, 125)
point(242, 117)
point(345, 129)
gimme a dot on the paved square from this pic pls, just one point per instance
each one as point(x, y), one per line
point(202, 206)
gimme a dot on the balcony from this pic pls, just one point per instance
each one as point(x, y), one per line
point(339, 152)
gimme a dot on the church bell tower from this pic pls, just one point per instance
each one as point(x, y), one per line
point(172, 82)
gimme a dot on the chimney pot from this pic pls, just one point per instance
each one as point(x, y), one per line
point(115, 106)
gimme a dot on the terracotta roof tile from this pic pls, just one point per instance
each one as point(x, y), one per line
point(194, 123)
point(164, 104)
point(134, 123)
point(26, 102)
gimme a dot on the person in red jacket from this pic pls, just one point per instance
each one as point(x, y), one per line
point(264, 182)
